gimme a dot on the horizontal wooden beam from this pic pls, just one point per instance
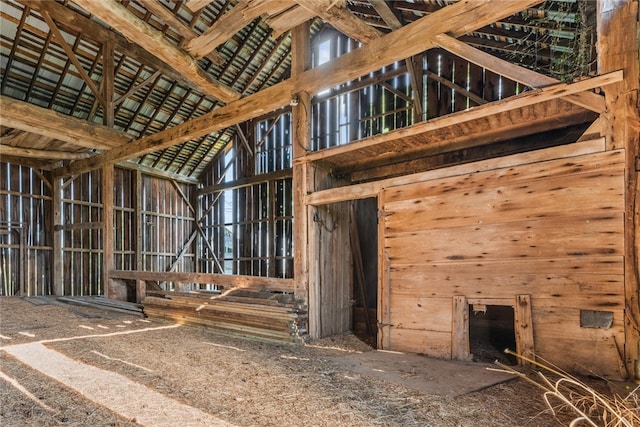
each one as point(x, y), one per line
point(158, 173)
point(371, 189)
point(458, 18)
point(43, 121)
point(122, 20)
point(508, 104)
point(40, 154)
point(243, 182)
point(226, 280)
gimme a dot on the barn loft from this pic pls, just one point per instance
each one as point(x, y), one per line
point(436, 175)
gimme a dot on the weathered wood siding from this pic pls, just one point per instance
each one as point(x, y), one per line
point(25, 247)
point(553, 230)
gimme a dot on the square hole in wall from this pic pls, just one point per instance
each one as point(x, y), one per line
point(491, 331)
point(596, 319)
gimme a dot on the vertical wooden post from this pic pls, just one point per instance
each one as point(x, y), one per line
point(384, 283)
point(301, 140)
point(107, 227)
point(141, 285)
point(57, 238)
point(618, 24)
point(460, 329)
point(272, 228)
point(108, 77)
point(524, 327)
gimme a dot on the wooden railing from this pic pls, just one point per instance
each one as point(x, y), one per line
point(225, 280)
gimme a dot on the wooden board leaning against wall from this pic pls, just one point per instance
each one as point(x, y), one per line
point(549, 230)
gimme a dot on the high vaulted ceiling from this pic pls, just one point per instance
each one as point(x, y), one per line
point(174, 61)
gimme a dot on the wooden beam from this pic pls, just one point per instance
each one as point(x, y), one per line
point(524, 328)
point(57, 270)
point(108, 259)
point(289, 19)
point(29, 162)
point(137, 87)
point(226, 280)
point(108, 82)
point(196, 5)
point(407, 41)
point(148, 170)
point(42, 121)
point(72, 57)
point(122, 20)
point(373, 188)
point(91, 30)
point(172, 20)
point(512, 103)
point(306, 289)
point(460, 329)
point(618, 48)
point(40, 154)
point(340, 17)
point(388, 16)
point(231, 22)
point(514, 72)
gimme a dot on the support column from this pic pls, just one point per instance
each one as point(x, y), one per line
point(107, 227)
point(141, 285)
point(301, 139)
point(618, 24)
point(108, 77)
point(57, 238)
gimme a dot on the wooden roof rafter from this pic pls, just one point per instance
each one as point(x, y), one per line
point(458, 18)
point(118, 17)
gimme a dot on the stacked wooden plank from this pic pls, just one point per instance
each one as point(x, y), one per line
point(258, 314)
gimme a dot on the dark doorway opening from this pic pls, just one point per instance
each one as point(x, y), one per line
point(491, 331)
point(364, 247)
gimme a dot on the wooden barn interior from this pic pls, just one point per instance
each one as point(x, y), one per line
point(444, 177)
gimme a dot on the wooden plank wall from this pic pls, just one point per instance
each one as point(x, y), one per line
point(25, 246)
point(334, 268)
point(553, 230)
point(167, 224)
point(25, 215)
point(81, 223)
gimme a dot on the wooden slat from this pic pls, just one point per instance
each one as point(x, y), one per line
point(409, 40)
point(422, 313)
point(587, 235)
point(460, 329)
point(433, 343)
point(524, 328)
point(514, 204)
point(226, 280)
point(118, 17)
point(512, 71)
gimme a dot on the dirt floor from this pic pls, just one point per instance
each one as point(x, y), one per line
point(230, 380)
